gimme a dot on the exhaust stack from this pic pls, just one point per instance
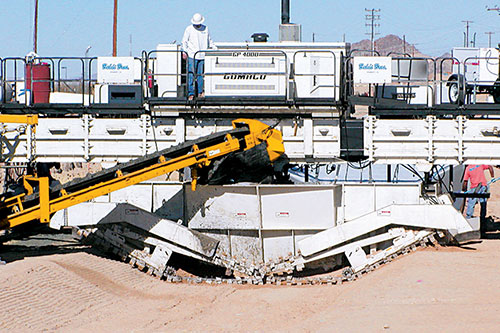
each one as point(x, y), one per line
point(289, 32)
point(285, 11)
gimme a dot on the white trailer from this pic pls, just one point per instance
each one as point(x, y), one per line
point(475, 71)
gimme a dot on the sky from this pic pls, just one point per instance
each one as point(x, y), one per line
point(69, 27)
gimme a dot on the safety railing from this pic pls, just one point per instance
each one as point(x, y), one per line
point(10, 79)
point(446, 80)
point(443, 83)
point(22, 77)
point(412, 73)
point(414, 80)
point(64, 80)
point(172, 83)
point(278, 59)
point(474, 76)
point(318, 76)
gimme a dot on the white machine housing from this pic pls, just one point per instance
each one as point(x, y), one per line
point(280, 69)
point(476, 64)
point(313, 69)
point(246, 73)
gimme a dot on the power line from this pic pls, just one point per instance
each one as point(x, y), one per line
point(370, 19)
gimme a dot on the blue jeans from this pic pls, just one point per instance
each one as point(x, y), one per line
point(472, 201)
point(195, 66)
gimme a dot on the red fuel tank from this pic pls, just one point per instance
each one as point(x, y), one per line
point(37, 78)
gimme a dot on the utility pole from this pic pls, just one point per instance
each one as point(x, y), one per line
point(115, 11)
point(35, 30)
point(370, 19)
point(467, 24)
point(413, 49)
point(130, 45)
point(489, 33)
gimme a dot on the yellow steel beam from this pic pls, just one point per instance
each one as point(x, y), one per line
point(29, 119)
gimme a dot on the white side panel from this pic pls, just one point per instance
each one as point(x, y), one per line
point(246, 245)
point(277, 244)
point(361, 199)
point(162, 134)
point(89, 139)
point(116, 137)
point(139, 195)
point(431, 140)
point(297, 207)
point(60, 137)
point(222, 207)
point(358, 200)
point(168, 201)
point(86, 213)
point(244, 73)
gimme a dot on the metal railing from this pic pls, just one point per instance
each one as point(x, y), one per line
point(470, 83)
point(180, 75)
point(333, 75)
point(435, 78)
point(337, 79)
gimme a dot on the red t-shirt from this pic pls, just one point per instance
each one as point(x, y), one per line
point(476, 175)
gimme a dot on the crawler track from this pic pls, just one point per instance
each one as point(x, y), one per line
point(275, 273)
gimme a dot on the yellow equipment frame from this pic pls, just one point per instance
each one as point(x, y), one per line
point(29, 119)
point(197, 158)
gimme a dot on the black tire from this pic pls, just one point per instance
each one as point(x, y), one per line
point(455, 92)
point(496, 92)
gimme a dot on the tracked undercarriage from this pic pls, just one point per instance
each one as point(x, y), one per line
point(282, 272)
point(356, 243)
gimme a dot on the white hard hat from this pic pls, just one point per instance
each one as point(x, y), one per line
point(197, 19)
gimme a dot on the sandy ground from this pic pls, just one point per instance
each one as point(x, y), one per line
point(70, 288)
point(442, 289)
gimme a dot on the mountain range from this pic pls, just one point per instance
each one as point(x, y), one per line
point(395, 46)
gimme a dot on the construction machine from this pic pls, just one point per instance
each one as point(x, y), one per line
point(249, 141)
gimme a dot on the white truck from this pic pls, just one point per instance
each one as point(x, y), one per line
point(475, 71)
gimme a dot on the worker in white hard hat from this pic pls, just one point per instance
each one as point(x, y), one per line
point(196, 39)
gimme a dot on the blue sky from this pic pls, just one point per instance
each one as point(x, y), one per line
point(68, 27)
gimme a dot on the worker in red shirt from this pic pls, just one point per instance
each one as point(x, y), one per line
point(474, 174)
point(150, 82)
